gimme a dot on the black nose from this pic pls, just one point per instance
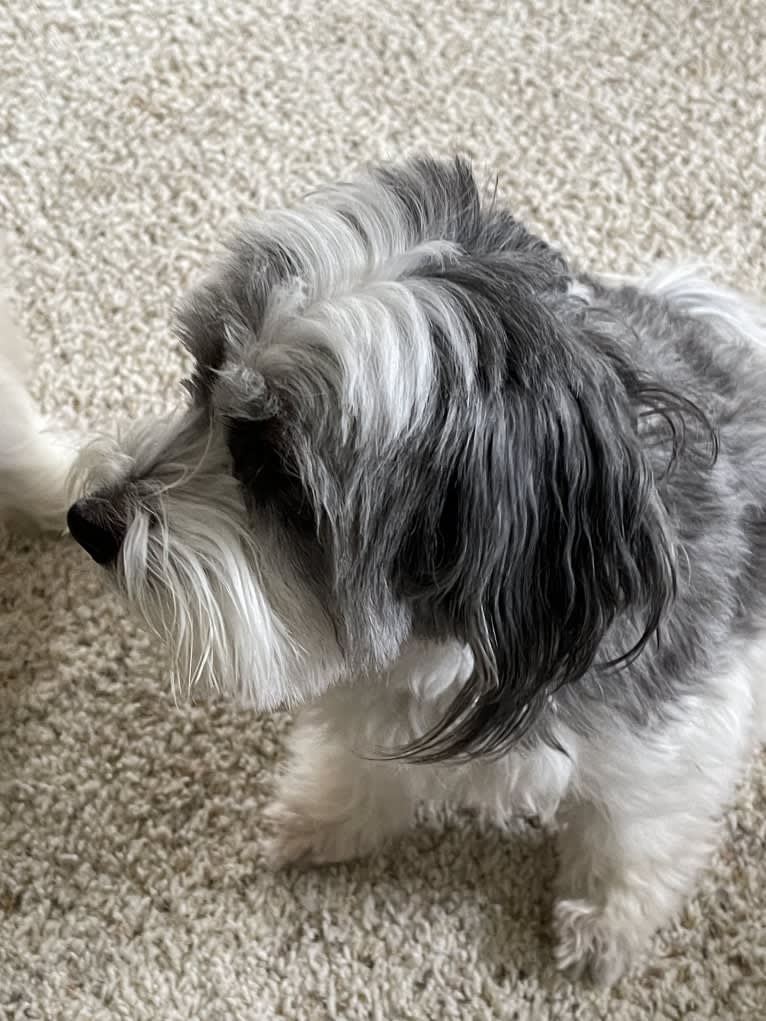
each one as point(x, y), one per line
point(95, 529)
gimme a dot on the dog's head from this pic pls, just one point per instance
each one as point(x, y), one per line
point(400, 424)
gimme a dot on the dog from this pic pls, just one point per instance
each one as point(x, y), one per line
point(35, 459)
point(496, 526)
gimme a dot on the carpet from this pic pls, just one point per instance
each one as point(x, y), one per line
point(133, 136)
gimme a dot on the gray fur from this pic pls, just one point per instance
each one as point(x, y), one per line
point(545, 489)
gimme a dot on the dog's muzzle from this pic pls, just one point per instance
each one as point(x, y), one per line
point(96, 530)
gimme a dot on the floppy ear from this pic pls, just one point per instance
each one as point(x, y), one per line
point(549, 529)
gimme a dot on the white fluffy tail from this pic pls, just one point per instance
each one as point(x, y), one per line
point(690, 286)
point(732, 313)
point(34, 462)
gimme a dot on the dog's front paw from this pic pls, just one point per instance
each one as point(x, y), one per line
point(590, 943)
point(296, 838)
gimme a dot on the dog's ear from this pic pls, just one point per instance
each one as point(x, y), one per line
point(549, 528)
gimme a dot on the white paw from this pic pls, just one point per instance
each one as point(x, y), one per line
point(590, 943)
point(295, 838)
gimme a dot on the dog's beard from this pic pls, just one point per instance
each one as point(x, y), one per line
point(435, 438)
point(207, 577)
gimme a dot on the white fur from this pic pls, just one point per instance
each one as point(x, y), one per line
point(731, 313)
point(360, 303)
point(581, 290)
point(230, 601)
point(641, 819)
point(637, 814)
point(34, 462)
point(636, 809)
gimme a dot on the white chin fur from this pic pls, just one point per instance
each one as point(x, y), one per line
point(212, 582)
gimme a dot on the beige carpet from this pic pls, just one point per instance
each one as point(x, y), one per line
point(131, 135)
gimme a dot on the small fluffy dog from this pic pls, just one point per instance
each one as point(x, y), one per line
point(499, 528)
point(34, 462)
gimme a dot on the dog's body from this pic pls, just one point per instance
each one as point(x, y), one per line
point(34, 462)
point(465, 507)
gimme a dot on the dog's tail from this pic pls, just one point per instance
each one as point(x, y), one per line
point(35, 460)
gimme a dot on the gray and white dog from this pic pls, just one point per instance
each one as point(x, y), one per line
point(498, 528)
